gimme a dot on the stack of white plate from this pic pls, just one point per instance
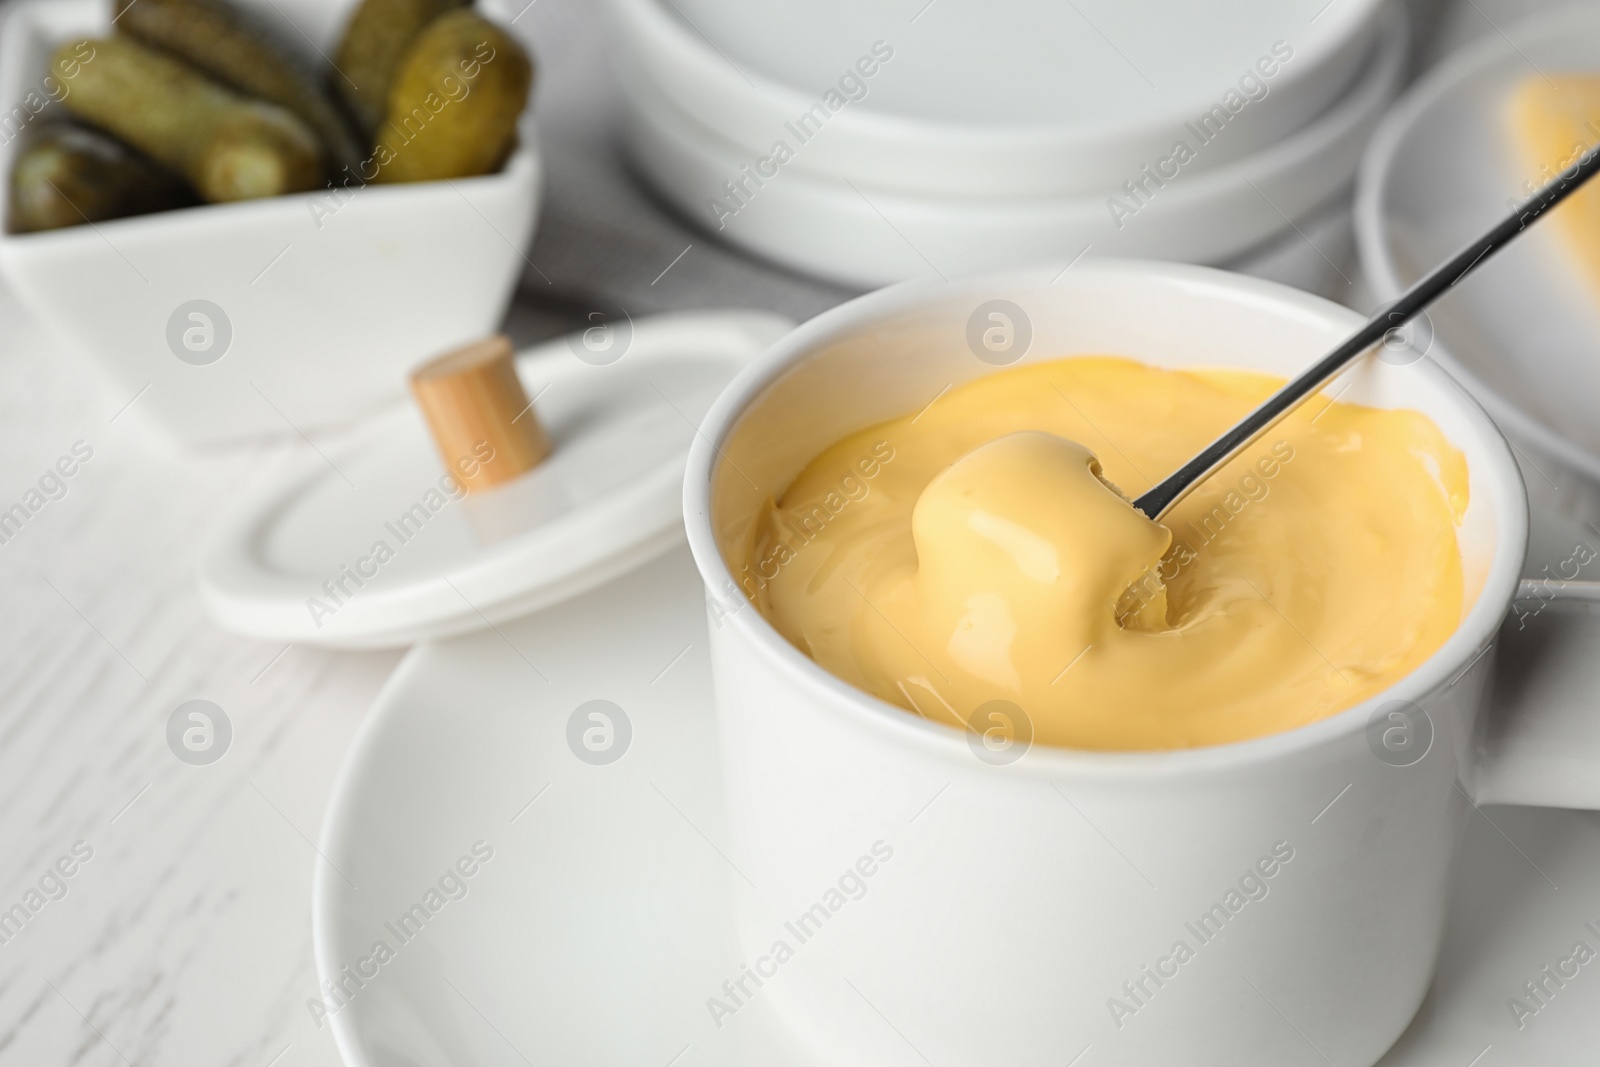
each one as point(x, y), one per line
point(870, 141)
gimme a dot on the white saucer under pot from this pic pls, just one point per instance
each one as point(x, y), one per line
point(601, 931)
point(1020, 97)
point(1523, 334)
point(863, 235)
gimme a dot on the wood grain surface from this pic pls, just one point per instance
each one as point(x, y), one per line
point(185, 937)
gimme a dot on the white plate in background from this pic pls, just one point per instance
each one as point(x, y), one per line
point(1523, 333)
point(837, 230)
point(1013, 97)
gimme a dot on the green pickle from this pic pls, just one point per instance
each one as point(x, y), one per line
point(374, 42)
point(195, 101)
point(456, 98)
point(220, 40)
point(70, 175)
point(228, 147)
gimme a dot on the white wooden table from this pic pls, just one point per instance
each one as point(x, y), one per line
point(185, 937)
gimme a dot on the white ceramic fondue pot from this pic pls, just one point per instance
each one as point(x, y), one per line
point(915, 894)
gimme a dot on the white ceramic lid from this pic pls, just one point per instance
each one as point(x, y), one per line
point(371, 544)
point(1029, 97)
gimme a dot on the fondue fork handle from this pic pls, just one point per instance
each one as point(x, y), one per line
point(1161, 498)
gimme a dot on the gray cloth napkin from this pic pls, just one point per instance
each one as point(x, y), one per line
point(603, 239)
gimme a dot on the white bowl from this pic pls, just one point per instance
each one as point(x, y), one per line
point(325, 301)
point(1026, 97)
point(843, 232)
point(1523, 334)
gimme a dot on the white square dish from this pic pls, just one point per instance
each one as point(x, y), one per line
point(313, 306)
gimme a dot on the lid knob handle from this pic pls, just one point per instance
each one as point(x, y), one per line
point(484, 427)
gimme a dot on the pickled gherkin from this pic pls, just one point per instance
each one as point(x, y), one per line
point(374, 43)
point(455, 102)
point(228, 147)
point(225, 43)
point(70, 175)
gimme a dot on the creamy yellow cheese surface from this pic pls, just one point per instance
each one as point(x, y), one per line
point(980, 551)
